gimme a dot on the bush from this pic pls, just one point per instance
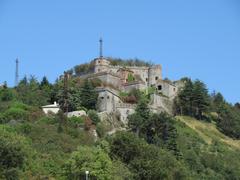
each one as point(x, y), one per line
point(20, 105)
point(14, 153)
point(90, 159)
point(16, 114)
point(92, 114)
point(76, 121)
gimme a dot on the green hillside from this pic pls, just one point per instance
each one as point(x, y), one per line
point(200, 141)
point(209, 132)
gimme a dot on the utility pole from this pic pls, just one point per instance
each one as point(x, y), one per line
point(16, 73)
point(101, 48)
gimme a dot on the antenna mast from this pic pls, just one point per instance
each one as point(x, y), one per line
point(16, 73)
point(101, 48)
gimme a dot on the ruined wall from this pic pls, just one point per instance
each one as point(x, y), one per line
point(160, 104)
point(167, 89)
point(135, 85)
point(124, 111)
point(154, 74)
point(107, 101)
point(142, 72)
point(109, 79)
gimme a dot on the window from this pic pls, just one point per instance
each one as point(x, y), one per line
point(146, 79)
point(160, 87)
point(174, 89)
point(102, 97)
point(156, 78)
point(99, 62)
point(107, 97)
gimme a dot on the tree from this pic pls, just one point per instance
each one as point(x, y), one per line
point(184, 99)
point(237, 106)
point(138, 120)
point(88, 95)
point(145, 161)
point(91, 159)
point(14, 153)
point(7, 94)
point(92, 114)
point(126, 146)
point(193, 100)
point(201, 101)
point(161, 131)
point(29, 92)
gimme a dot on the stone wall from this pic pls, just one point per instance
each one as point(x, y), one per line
point(107, 100)
point(109, 79)
point(166, 88)
point(154, 74)
point(134, 85)
point(124, 111)
point(159, 103)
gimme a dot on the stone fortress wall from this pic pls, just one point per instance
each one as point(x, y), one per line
point(117, 76)
point(148, 75)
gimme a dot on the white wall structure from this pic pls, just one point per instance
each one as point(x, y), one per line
point(76, 114)
point(52, 108)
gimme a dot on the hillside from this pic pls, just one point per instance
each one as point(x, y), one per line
point(199, 138)
point(209, 132)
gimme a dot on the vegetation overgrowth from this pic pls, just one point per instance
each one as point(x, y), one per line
point(200, 142)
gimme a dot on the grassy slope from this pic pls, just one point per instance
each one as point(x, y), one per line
point(208, 132)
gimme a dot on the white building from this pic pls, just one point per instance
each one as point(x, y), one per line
point(52, 108)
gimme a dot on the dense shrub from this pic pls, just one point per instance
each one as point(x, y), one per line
point(92, 114)
point(76, 121)
point(16, 114)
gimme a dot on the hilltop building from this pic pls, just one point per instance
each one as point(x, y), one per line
point(124, 79)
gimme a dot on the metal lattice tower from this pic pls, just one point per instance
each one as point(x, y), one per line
point(101, 48)
point(16, 72)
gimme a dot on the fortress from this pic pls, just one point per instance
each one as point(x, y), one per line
point(124, 79)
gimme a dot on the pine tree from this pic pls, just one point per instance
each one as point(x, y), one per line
point(201, 100)
point(138, 120)
point(88, 95)
point(185, 98)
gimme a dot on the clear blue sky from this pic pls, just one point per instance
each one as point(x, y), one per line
point(199, 39)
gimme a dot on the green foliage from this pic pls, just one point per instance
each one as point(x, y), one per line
point(88, 95)
point(207, 161)
point(128, 62)
point(84, 68)
point(76, 121)
point(193, 100)
point(228, 119)
point(130, 78)
point(92, 114)
point(15, 114)
point(85, 159)
point(14, 153)
point(145, 161)
point(138, 120)
point(32, 93)
point(7, 94)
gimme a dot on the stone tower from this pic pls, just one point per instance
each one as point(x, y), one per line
point(101, 65)
point(154, 74)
